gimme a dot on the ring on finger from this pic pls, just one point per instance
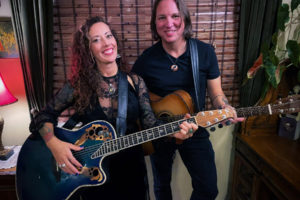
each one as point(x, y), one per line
point(62, 165)
point(191, 130)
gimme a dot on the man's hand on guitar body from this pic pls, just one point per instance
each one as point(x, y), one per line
point(63, 155)
point(186, 129)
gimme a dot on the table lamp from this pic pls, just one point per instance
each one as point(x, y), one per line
point(5, 98)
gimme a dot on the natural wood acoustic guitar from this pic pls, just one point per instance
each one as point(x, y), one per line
point(169, 108)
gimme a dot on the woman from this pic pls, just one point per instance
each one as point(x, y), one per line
point(166, 67)
point(93, 92)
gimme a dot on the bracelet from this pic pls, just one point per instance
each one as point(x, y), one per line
point(215, 97)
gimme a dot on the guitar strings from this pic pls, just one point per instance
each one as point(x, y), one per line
point(149, 133)
point(146, 134)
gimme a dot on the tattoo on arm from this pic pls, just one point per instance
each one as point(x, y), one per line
point(225, 100)
point(46, 133)
point(220, 101)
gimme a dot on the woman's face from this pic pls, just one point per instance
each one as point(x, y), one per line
point(169, 23)
point(102, 43)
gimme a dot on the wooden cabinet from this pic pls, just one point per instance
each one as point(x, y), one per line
point(7, 184)
point(267, 168)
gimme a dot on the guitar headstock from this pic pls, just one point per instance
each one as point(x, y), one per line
point(290, 104)
point(209, 118)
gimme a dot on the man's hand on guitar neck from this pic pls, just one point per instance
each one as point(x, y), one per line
point(220, 101)
point(236, 119)
point(186, 129)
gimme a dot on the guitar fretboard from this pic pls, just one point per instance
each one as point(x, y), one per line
point(124, 142)
point(250, 111)
point(267, 110)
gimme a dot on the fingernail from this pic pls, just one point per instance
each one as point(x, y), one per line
point(81, 147)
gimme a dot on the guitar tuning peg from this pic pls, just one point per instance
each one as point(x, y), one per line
point(212, 129)
point(228, 123)
point(220, 125)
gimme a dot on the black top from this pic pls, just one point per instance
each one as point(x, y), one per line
point(107, 109)
point(127, 172)
point(154, 65)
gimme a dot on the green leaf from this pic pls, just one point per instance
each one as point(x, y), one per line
point(270, 70)
point(282, 16)
point(293, 49)
point(273, 58)
point(294, 4)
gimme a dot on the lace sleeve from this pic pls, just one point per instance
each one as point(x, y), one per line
point(147, 116)
point(62, 100)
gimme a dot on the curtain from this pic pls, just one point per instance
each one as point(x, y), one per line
point(33, 24)
point(257, 24)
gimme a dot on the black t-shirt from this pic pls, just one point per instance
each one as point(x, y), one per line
point(154, 66)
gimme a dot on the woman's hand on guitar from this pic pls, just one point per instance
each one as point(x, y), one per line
point(186, 129)
point(62, 153)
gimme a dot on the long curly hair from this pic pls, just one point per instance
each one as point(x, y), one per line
point(84, 70)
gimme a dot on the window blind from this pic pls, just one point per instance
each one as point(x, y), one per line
point(214, 21)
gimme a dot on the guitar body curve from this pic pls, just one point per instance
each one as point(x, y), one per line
point(176, 103)
point(37, 174)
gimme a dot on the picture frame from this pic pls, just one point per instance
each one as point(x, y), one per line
point(8, 44)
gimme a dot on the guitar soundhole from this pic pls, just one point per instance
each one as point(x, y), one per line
point(164, 117)
point(91, 132)
point(95, 172)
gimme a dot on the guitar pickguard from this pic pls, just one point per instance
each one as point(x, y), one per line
point(97, 132)
point(92, 172)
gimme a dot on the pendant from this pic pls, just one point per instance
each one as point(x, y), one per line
point(174, 68)
point(111, 89)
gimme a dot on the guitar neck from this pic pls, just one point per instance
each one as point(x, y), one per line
point(204, 119)
point(263, 110)
point(252, 111)
point(124, 142)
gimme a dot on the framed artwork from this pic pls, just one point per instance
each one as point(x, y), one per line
point(8, 44)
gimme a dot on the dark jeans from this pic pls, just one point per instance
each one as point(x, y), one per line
point(198, 156)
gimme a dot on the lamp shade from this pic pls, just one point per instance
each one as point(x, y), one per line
point(5, 96)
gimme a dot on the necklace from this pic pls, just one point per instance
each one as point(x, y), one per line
point(111, 90)
point(173, 67)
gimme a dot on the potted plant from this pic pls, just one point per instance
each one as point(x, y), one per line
point(284, 51)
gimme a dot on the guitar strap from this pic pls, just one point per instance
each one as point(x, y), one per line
point(122, 104)
point(72, 121)
point(122, 108)
point(195, 68)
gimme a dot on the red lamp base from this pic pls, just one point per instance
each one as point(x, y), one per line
point(6, 153)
